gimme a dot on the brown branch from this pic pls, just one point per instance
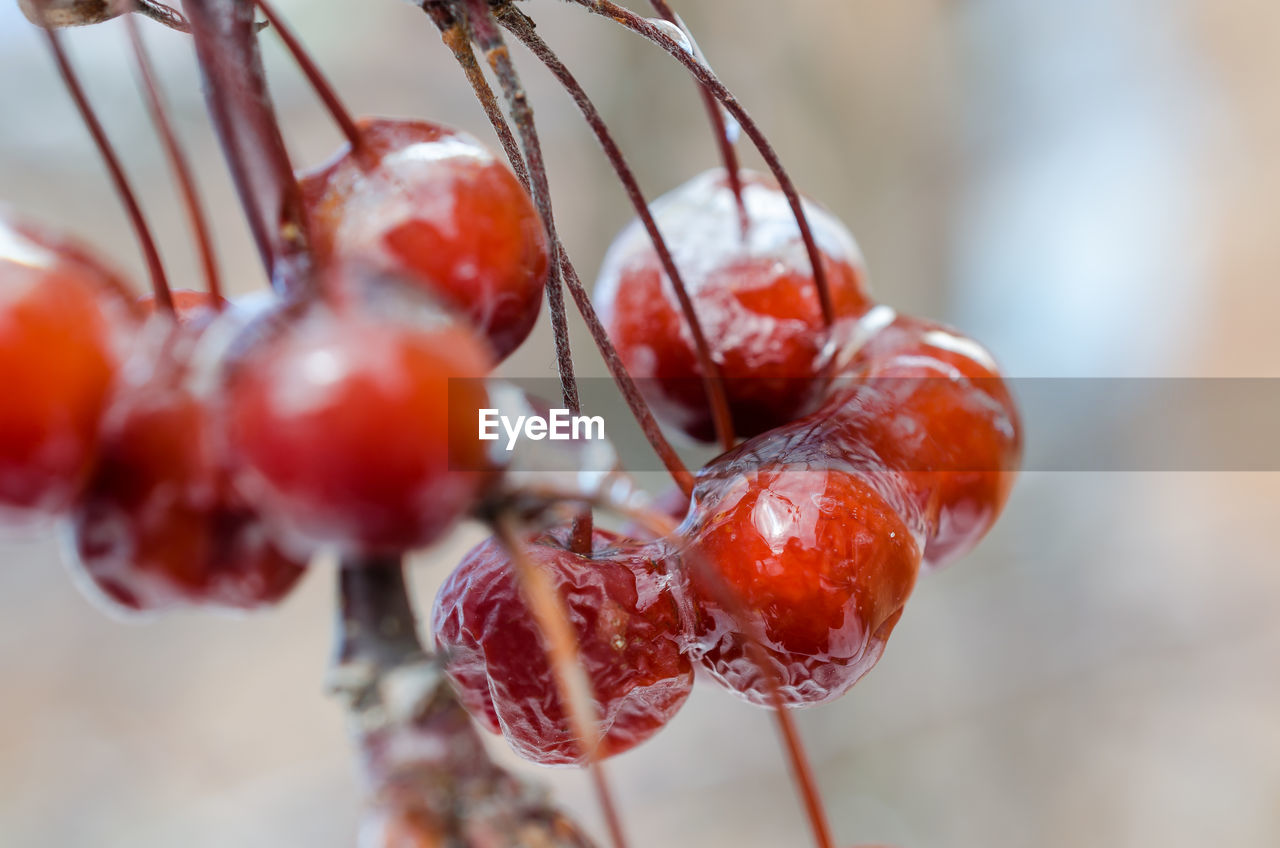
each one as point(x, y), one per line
point(429, 777)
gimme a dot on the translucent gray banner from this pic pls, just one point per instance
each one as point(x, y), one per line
point(1120, 424)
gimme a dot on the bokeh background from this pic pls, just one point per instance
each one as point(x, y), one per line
point(1089, 187)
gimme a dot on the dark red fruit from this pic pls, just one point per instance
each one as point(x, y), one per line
point(753, 293)
point(811, 562)
point(64, 322)
point(930, 403)
point(159, 525)
point(357, 430)
point(629, 637)
point(435, 205)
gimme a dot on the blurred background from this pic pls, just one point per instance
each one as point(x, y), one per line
point(1090, 188)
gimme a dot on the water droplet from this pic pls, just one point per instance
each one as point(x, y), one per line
point(676, 34)
point(732, 129)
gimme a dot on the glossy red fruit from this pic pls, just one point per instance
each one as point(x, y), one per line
point(64, 323)
point(356, 430)
point(159, 525)
point(812, 562)
point(754, 296)
point(435, 204)
point(930, 403)
point(629, 634)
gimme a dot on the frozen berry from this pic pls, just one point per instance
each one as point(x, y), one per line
point(629, 638)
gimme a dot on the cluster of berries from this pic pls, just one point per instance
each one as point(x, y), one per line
point(876, 443)
point(203, 451)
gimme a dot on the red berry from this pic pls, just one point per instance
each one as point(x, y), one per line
point(754, 295)
point(930, 403)
point(434, 204)
point(159, 525)
point(63, 322)
point(357, 430)
point(813, 562)
point(629, 637)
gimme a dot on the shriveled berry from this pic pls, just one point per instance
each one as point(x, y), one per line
point(754, 295)
point(64, 324)
point(629, 635)
point(436, 205)
point(355, 430)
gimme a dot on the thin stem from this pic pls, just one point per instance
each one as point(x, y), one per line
point(635, 401)
point(626, 384)
point(458, 41)
point(713, 381)
point(159, 283)
point(240, 108)
point(573, 685)
point(178, 161)
point(797, 757)
point(630, 392)
point(715, 114)
point(490, 40)
point(315, 77)
point(708, 78)
point(752, 634)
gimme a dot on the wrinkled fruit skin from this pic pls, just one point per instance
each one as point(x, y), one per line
point(159, 525)
point(353, 431)
point(64, 324)
point(755, 299)
point(813, 563)
point(435, 205)
point(629, 637)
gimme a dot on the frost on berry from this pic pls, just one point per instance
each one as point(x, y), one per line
point(629, 638)
point(754, 295)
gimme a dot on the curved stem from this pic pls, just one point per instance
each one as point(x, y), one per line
point(704, 75)
point(490, 40)
point(458, 41)
point(631, 393)
point(713, 381)
point(178, 162)
point(622, 377)
point(573, 685)
point(159, 282)
point(753, 636)
point(715, 114)
point(315, 77)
